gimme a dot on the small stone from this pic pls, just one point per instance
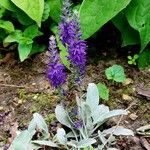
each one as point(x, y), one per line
point(33, 84)
point(20, 101)
point(35, 97)
point(133, 116)
point(127, 82)
point(1, 108)
point(126, 97)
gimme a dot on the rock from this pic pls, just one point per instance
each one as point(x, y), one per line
point(126, 97)
point(133, 116)
point(127, 82)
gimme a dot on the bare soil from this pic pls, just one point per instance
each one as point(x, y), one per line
point(24, 89)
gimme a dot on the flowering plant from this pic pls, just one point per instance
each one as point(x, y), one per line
point(83, 121)
point(70, 36)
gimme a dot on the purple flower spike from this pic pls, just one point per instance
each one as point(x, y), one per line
point(56, 74)
point(70, 36)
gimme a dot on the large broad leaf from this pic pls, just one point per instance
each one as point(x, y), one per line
point(6, 25)
point(8, 5)
point(144, 59)
point(34, 9)
point(92, 97)
point(55, 9)
point(95, 13)
point(138, 15)
point(129, 35)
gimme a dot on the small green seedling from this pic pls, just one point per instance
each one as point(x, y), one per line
point(132, 60)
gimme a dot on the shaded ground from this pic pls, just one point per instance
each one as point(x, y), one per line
point(24, 90)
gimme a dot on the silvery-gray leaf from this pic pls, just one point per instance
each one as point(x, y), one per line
point(22, 141)
point(46, 143)
point(112, 149)
point(101, 137)
point(92, 97)
point(62, 116)
point(38, 122)
point(61, 136)
point(32, 146)
point(32, 126)
point(99, 110)
point(118, 131)
point(72, 143)
point(86, 142)
point(110, 114)
point(71, 135)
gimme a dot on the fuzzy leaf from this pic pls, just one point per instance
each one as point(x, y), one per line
point(116, 73)
point(61, 136)
point(107, 115)
point(38, 122)
point(46, 143)
point(86, 142)
point(92, 99)
point(22, 141)
point(62, 116)
point(139, 18)
point(103, 91)
point(118, 131)
point(95, 13)
point(34, 9)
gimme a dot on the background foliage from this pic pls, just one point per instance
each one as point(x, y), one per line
point(21, 22)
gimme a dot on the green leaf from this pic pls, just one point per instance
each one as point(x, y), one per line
point(23, 18)
point(7, 25)
point(15, 36)
point(144, 59)
point(103, 91)
point(63, 50)
point(46, 12)
point(115, 73)
point(129, 35)
point(95, 13)
point(24, 50)
point(34, 9)
point(32, 32)
point(2, 11)
point(55, 9)
point(37, 48)
point(8, 5)
point(138, 16)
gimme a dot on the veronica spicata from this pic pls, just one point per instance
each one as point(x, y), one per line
point(56, 74)
point(70, 36)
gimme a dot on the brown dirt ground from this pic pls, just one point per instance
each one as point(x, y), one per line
point(24, 89)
